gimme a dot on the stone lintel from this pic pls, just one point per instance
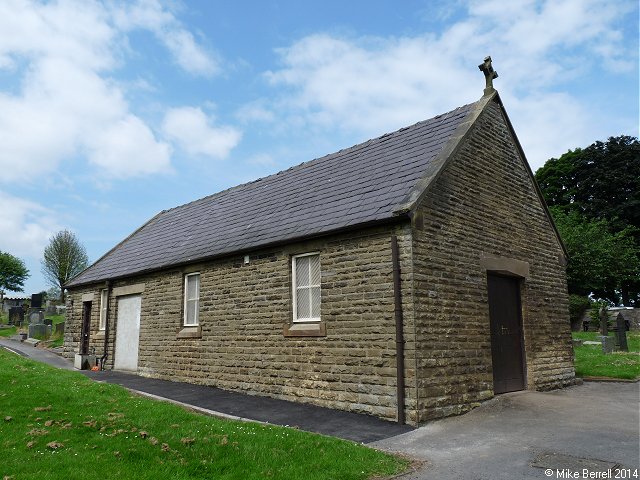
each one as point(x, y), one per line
point(505, 265)
point(128, 290)
point(88, 297)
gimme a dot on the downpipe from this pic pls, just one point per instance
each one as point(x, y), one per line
point(397, 300)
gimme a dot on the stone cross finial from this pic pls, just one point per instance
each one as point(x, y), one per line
point(489, 75)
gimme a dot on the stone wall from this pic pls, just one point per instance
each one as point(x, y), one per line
point(244, 307)
point(484, 204)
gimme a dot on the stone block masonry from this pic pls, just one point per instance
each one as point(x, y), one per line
point(484, 204)
point(242, 311)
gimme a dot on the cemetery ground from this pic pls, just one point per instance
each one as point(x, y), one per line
point(591, 362)
point(60, 424)
point(56, 339)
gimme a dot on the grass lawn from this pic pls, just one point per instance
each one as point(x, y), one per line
point(7, 332)
point(56, 424)
point(56, 318)
point(591, 362)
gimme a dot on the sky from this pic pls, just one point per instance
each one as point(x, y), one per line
point(113, 111)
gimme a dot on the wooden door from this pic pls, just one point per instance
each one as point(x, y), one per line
point(506, 333)
point(127, 333)
point(86, 328)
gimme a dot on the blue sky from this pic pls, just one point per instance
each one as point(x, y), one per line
point(113, 111)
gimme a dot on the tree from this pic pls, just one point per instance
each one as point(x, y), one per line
point(13, 273)
point(600, 183)
point(600, 262)
point(64, 258)
point(53, 293)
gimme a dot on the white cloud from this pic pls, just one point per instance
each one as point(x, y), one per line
point(25, 226)
point(152, 15)
point(192, 129)
point(372, 85)
point(128, 148)
point(256, 111)
point(66, 104)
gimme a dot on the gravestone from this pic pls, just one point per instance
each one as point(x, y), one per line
point(59, 328)
point(16, 316)
point(51, 310)
point(39, 331)
point(48, 321)
point(36, 317)
point(604, 320)
point(621, 333)
point(36, 300)
point(607, 344)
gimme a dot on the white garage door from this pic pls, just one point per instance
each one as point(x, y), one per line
point(127, 333)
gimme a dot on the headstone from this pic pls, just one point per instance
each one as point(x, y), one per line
point(51, 310)
point(16, 316)
point(604, 320)
point(621, 333)
point(39, 331)
point(607, 344)
point(58, 328)
point(48, 321)
point(36, 300)
point(36, 317)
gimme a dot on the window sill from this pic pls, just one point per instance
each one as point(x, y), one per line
point(316, 329)
point(192, 331)
point(99, 334)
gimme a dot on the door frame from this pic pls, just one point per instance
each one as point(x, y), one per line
point(85, 333)
point(519, 281)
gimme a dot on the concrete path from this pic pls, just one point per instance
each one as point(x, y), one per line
point(503, 437)
point(350, 426)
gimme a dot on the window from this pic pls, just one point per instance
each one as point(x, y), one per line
point(191, 296)
point(306, 287)
point(104, 305)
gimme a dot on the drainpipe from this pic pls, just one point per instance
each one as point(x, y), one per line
point(105, 352)
point(399, 334)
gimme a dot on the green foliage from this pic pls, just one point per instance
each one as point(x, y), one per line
point(601, 181)
point(64, 258)
point(13, 272)
point(598, 187)
point(63, 425)
point(600, 262)
point(578, 305)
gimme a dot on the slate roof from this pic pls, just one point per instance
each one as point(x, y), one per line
point(362, 184)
